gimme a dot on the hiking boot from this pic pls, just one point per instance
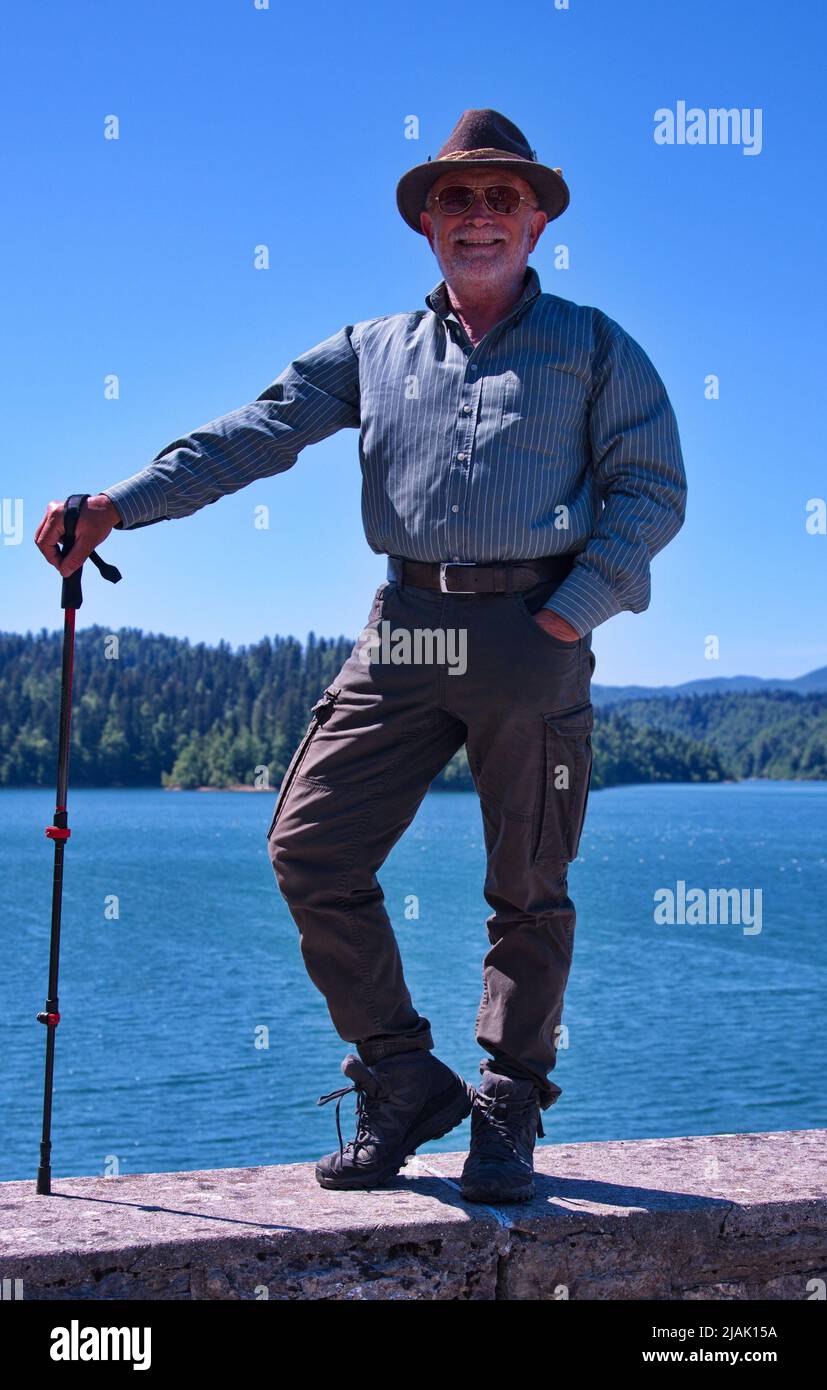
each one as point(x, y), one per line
point(505, 1122)
point(401, 1102)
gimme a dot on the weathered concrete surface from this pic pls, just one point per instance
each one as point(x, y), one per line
point(730, 1216)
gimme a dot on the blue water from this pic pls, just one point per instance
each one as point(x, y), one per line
point(671, 1029)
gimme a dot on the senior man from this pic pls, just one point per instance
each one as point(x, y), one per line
point(521, 467)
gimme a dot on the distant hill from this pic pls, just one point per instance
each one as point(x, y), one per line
point(165, 712)
point(760, 733)
point(815, 682)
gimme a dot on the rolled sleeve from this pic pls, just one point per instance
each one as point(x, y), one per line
point(314, 397)
point(640, 483)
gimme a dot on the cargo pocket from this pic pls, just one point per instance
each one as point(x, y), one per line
point(565, 790)
point(321, 712)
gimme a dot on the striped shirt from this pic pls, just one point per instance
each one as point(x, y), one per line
point(554, 434)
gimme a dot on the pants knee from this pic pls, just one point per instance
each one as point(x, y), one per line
point(284, 863)
point(305, 866)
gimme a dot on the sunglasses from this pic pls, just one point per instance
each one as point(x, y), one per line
point(499, 197)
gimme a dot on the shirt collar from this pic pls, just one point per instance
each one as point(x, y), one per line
point(438, 300)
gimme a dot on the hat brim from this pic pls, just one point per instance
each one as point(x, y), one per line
point(412, 190)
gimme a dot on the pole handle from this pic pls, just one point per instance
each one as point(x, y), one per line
point(72, 593)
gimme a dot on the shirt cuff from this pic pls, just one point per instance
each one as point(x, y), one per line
point(584, 600)
point(139, 501)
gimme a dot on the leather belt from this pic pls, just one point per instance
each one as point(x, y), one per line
point(467, 577)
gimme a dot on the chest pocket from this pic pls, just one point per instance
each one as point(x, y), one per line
point(544, 411)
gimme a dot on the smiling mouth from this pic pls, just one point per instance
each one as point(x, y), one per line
point(490, 241)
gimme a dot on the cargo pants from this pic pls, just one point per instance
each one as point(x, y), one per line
point(378, 736)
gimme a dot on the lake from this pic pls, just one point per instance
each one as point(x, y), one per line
point(672, 1028)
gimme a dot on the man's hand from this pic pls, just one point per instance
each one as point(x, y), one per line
point(97, 517)
point(556, 626)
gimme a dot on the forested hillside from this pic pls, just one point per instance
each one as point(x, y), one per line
point(166, 712)
point(772, 733)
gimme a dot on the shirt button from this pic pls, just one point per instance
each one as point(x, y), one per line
point(455, 508)
point(461, 458)
point(466, 410)
point(456, 559)
point(474, 367)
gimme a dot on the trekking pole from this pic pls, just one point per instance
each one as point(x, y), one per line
point(70, 600)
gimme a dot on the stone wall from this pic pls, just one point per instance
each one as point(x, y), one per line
point(726, 1216)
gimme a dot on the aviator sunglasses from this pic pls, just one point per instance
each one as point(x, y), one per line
point(499, 197)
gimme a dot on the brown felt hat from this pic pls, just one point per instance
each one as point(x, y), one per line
point(483, 137)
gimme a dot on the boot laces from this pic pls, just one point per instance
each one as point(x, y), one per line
point(365, 1117)
point(499, 1121)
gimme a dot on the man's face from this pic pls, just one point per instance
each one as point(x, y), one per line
point(481, 245)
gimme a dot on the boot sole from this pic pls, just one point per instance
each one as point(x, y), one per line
point(434, 1127)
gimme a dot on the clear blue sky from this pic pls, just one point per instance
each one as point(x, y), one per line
point(286, 126)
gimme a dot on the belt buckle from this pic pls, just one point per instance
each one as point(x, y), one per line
point(453, 564)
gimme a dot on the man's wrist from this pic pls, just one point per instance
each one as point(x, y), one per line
point(103, 502)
